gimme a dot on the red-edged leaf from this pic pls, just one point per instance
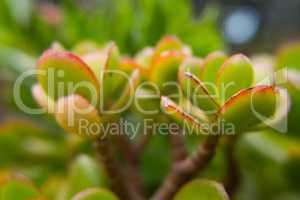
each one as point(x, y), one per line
point(235, 74)
point(249, 107)
point(59, 70)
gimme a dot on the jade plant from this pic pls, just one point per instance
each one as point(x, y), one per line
point(214, 99)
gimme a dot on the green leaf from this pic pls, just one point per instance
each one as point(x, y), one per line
point(18, 190)
point(113, 58)
point(167, 43)
point(235, 74)
point(84, 173)
point(21, 11)
point(202, 190)
point(192, 65)
point(293, 86)
point(178, 114)
point(95, 194)
point(165, 68)
point(249, 107)
point(289, 56)
point(60, 69)
point(127, 94)
point(144, 58)
point(75, 114)
point(85, 47)
point(201, 96)
point(211, 65)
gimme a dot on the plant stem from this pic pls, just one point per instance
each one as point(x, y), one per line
point(126, 149)
point(178, 148)
point(184, 170)
point(106, 155)
point(232, 178)
point(142, 142)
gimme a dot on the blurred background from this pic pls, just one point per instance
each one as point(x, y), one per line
point(38, 148)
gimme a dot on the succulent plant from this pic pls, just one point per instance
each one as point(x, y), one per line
point(97, 84)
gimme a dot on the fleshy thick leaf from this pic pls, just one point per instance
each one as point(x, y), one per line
point(84, 173)
point(289, 56)
point(144, 58)
point(95, 194)
point(128, 92)
point(249, 107)
point(211, 65)
point(96, 61)
point(235, 74)
point(202, 190)
point(113, 57)
point(75, 114)
point(18, 190)
point(60, 69)
point(167, 43)
point(128, 64)
point(179, 115)
point(201, 96)
point(193, 66)
point(165, 68)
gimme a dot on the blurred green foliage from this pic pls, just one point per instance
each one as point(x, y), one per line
point(132, 24)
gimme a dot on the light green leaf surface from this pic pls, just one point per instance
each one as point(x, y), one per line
point(61, 69)
point(249, 107)
point(235, 74)
point(202, 190)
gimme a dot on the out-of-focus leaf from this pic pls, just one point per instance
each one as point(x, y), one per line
point(84, 173)
point(263, 66)
point(179, 115)
point(288, 56)
point(191, 65)
point(16, 60)
point(144, 58)
point(201, 96)
point(211, 65)
point(76, 115)
point(66, 68)
point(21, 11)
point(235, 74)
point(202, 190)
point(18, 190)
point(86, 47)
point(165, 68)
point(95, 194)
point(167, 43)
point(249, 107)
point(127, 94)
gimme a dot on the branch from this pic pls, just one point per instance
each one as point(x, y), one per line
point(178, 148)
point(106, 155)
point(184, 170)
point(232, 179)
point(142, 142)
point(126, 149)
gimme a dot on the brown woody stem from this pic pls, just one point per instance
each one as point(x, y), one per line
point(232, 178)
point(142, 141)
point(126, 149)
point(178, 148)
point(106, 155)
point(184, 170)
